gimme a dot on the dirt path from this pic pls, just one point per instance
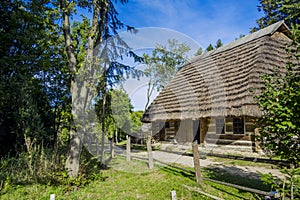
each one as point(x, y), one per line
point(244, 171)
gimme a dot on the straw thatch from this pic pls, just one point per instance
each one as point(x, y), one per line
point(222, 82)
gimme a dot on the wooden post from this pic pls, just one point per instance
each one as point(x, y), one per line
point(128, 156)
point(112, 148)
point(52, 196)
point(173, 195)
point(197, 162)
point(149, 150)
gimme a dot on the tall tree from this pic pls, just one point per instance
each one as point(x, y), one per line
point(30, 74)
point(209, 48)
point(163, 64)
point(199, 52)
point(275, 11)
point(89, 47)
point(218, 43)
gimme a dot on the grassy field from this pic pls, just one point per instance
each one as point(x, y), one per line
point(133, 180)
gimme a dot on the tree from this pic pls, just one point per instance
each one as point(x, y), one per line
point(92, 49)
point(163, 64)
point(218, 43)
point(209, 48)
point(199, 52)
point(104, 22)
point(275, 11)
point(32, 78)
point(280, 98)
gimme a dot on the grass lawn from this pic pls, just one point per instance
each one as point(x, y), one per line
point(132, 180)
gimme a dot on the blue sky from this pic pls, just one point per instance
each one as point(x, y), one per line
point(203, 21)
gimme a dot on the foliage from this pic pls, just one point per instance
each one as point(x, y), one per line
point(92, 48)
point(46, 167)
point(280, 125)
point(210, 47)
point(280, 98)
point(286, 187)
point(163, 64)
point(136, 121)
point(199, 51)
point(120, 118)
point(218, 43)
point(274, 11)
point(33, 89)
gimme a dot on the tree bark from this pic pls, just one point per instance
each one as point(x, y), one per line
point(81, 97)
point(72, 162)
point(112, 148)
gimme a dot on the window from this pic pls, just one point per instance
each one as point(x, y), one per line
point(220, 126)
point(238, 125)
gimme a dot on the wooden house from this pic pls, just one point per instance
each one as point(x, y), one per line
point(211, 98)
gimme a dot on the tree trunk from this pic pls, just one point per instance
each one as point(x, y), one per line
point(72, 162)
point(78, 104)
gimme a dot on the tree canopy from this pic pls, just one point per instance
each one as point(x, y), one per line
point(163, 63)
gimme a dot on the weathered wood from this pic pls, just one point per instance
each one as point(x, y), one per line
point(197, 162)
point(112, 148)
point(52, 196)
point(173, 195)
point(203, 129)
point(149, 150)
point(201, 192)
point(128, 155)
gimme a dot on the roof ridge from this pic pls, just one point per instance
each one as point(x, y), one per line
point(269, 30)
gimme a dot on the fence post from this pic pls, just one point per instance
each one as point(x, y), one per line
point(196, 162)
point(149, 150)
point(173, 195)
point(112, 148)
point(128, 156)
point(52, 196)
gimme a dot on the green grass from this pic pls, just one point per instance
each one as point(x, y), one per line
point(133, 180)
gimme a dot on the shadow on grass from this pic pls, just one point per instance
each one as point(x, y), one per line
point(237, 176)
point(178, 172)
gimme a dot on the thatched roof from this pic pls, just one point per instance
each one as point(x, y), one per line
point(222, 82)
